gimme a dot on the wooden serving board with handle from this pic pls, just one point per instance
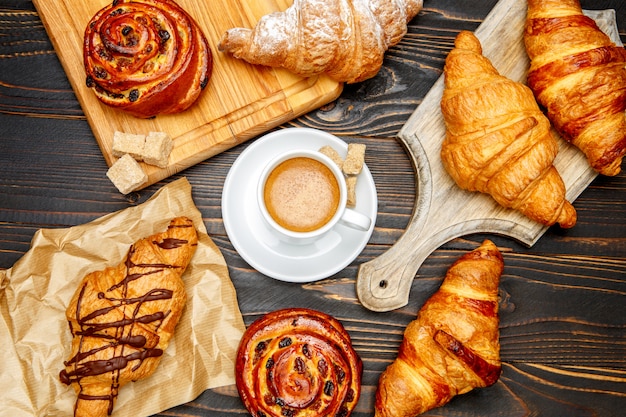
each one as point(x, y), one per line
point(442, 210)
point(240, 102)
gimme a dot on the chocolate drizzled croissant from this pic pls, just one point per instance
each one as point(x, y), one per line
point(122, 317)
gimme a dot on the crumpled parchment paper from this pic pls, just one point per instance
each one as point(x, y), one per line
point(34, 293)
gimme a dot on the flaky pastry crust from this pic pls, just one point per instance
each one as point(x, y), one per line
point(498, 141)
point(579, 75)
point(146, 57)
point(345, 39)
point(453, 345)
point(123, 317)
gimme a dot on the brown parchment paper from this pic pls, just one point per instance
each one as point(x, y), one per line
point(34, 293)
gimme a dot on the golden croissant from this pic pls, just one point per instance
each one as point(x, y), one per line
point(498, 141)
point(122, 317)
point(345, 39)
point(453, 344)
point(579, 75)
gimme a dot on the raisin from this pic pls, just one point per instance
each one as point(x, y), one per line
point(260, 347)
point(299, 366)
point(90, 82)
point(329, 388)
point(126, 30)
point(134, 95)
point(284, 342)
point(306, 352)
point(341, 374)
point(350, 395)
point(269, 364)
point(100, 72)
point(322, 366)
point(343, 412)
point(164, 35)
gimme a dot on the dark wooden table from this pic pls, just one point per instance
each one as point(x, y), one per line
point(563, 320)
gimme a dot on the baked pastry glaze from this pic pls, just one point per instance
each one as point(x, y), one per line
point(453, 345)
point(298, 362)
point(579, 75)
point(123, 317)
point(146, 57)
point(498, 141)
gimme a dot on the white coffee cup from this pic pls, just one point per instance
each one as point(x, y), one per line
point(295, 218)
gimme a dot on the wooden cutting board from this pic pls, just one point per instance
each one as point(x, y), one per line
point(240, 102)
point(442, 210)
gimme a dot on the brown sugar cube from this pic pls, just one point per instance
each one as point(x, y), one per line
point(355, 159)
point(157, 149)
point(128, 143)
point(351, 186)
point(330, 152)
point(126, 174)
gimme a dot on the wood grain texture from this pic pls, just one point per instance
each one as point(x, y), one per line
point(224, 115)
point(563, 300)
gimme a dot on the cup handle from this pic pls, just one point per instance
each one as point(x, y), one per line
point(355, 220)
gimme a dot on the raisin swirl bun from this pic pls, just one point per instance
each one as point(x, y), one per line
point(298, 362)
point(146, 57)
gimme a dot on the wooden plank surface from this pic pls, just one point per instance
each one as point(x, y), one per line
point(444, 211)
point(240, 101)
point(563, 300)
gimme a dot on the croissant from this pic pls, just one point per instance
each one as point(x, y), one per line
point(298, 362)
point(122, 317)
point(452, 346)
point(497, 139)
point(345, 39)
point(579, 75)
point(146, 57)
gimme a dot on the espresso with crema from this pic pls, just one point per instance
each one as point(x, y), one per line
point(301, 194)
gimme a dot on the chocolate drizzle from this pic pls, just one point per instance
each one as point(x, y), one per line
point(125, 336)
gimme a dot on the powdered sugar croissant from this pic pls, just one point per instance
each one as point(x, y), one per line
point(345, 39)
point(579, 75)
point(453, 345)
point(497, 139)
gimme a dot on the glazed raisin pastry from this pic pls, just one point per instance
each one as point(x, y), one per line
point(345, 39)
point(497, 139)
point(146, 57)
point(453, 345)
point(298, 362)
point(122, 317)
point(579, 75)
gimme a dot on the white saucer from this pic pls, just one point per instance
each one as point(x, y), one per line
point(258, 246)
